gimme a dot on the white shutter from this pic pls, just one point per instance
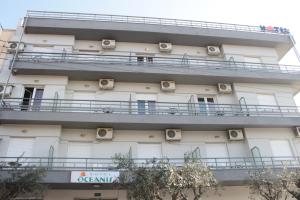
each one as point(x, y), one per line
point(83, 106)
point(281, 148)
point(218, 154)
point(79, 150)
point(266, 99)
point(84, 96)
point(252, 59)
point(18, 146)
point(216, 150)
point(149, 151)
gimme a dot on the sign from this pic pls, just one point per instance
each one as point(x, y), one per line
point(94, 176)
point(274, 29)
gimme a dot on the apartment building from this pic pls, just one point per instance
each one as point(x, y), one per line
point(84, 87)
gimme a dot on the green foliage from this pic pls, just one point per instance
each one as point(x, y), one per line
point(266, 184)
point(123, 161)
point(21, 182)
point(156, 178)
point(193, 176)
point(290, 180)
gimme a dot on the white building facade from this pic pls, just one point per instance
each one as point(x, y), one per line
point(83, 87)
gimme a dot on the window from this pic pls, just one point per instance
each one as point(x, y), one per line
point(146, 107)
point(144, 59)
point(32, 98)
point(206, 105)
point(146, 103)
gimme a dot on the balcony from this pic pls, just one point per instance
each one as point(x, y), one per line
point(130, 68)
point(153, 30)
point(131, 115)
point(228, 171)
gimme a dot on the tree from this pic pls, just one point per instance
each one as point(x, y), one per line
point(20, 181)
point(290, 180)
point(193, 176)
point(155, 178)
point(266, 184)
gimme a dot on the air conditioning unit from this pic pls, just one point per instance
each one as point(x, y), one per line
point(213, 50)
point(104, 134)
point(168, 86)
point(297, 131)
point(224, 88)
point(165, 47)
point(235, 134)
point(106, 84)
point(173, 134)
point(8, 90)
point(13, 46)
point(108, 44)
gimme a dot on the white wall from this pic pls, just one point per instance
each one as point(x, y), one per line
point(266, 55)
point(226, 193)
point(282, 93)
point(44, 136)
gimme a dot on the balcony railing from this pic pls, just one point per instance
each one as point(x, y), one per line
point(138, 108)
point(62, 163)
point(172, 64)
point(153, 21)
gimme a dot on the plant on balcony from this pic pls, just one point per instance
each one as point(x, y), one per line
point(154, 179)
point(266, 184)
point(20, 181)
point(290, 180)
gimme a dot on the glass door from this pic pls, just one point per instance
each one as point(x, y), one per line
point(146, 104)
point(32, 98)
point(146, 107)
point(206, 105)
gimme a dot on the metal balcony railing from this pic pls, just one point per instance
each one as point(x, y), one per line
point(167, 63)
point(156, 108)
point(63, 163)
point(152, 21)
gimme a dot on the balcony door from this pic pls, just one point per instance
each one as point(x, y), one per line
point(20, 148)
point(281, 149)
point(268, 104)
point(217, 154)
point(146, 103)
point(32, 98)
point(83, 101)
point(78, 152)
point(148, 151)
point(206, 105)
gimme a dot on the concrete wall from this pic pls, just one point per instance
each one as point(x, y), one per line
point(123, 140)
point(5, 36)
point(240, 193)
point(238, 53)
point(55, 43)
point(44, 137)
point(283, 93)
